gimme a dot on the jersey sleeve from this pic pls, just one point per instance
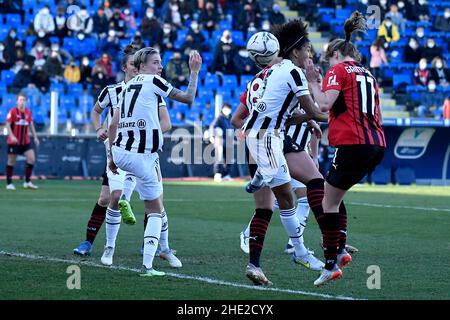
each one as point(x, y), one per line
point(161, 86)
point(333, 79)
point(298, 83)
point(161, 101)
point(243, 98)
point(104, 100)
point(11, 115)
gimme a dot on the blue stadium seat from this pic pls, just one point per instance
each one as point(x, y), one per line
point(211, 81)
point(208, 58)
point(405, 176)
point(3, 114)
point(78, 117)
point(8, 77)
point(229, 81)
point(343, 14)
point(245, 79)
point(85, 103)
point(8, 100)
point(57, 86)
point(400, 79)
point(13, 19)
point(238, 37)
point(167, 57)
point(67, 101)
point(181, 34)
point(40, 117)
point(225, 25)
point(381, 175)
point(75, 89)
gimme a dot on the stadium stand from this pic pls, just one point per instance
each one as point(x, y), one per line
point(106, 28)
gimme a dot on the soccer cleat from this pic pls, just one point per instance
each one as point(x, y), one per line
point(126, 212)
point(174, 262)
point(10, 187)
point(289, 249)
point(29, 185)
point(151, 272)
point(343, 259)
point(351, 249)
point(309, 261)
point(327, 276)
point(256, 275)
point(84, 249)
point(245, 243)
point(107, 257)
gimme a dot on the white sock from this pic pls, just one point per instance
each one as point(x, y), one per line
point(151, 238)
point(113, 219)
point(275, 205)
point(292, 226)
point(302, 213)
point(164, 239)
point(246, 231)
point(128, 186)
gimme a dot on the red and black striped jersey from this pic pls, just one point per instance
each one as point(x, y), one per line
point(355, 115)
point(20, 121)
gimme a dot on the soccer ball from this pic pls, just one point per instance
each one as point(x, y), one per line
point(263, 47)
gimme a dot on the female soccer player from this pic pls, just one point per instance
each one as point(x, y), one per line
point(350, 93)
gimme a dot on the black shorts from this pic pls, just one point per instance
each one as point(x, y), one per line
point(105, 181)
point(351, 163)
point(18, 149)
point(290, 146)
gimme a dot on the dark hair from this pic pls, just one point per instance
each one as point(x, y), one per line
point(379, 42)
point(291, 35)
point(356, 22)
point(141, 56)
point(128, 51)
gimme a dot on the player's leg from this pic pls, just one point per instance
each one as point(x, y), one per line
point(12, 156)
point(96, 220)
point(113, 222)
point(166, 253)
point(129, 185)
point(30, 160)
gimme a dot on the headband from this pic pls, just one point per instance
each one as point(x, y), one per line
point(296, 43)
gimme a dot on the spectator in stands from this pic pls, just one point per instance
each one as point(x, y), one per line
point(111, 46)
point(224, 54)
point(190, 45)
point(396, 17)
point(265, 6)
point(173, 15)
point(413, 52)
point(105, 63)
point(22, 79)
point(177, 71)
point(40, 53)
point(420, 34)
point(422, 74)
point(439, 72)
point(41, 80)
point(168, 37)
point(72, 73)
point(243, 63)
point(81, 24)
point(378, 57)
point(384, 7)
point(108, 11)
point(20, 58)
point(117, 23)
point(5, 59)
point(101, 24)
point(430, 101)
point(442, 23)
point(431, 50)
point(209, 18)
point(389, 31)
point(61, 30)
point(247, 17)
point(275, 15)
point(221, 129)
point(137, 41)
point(99, 80)
point(85, 72)
point(10, 42)
point(33, 94)
point(151, 28)
point(44, 24)
point(128, 17)
point(53, 67)
point(187, 9)
point(63, 55)
point(421, 10)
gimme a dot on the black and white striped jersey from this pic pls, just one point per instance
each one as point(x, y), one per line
point(283, 83)
point(139, 129)
point(109, 98)
point(300, 134)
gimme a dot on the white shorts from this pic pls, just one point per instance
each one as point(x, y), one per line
point(297, 184)
point(145, 167)
point(268, 154)
point(115, 181)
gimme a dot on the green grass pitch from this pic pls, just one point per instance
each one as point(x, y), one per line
point(402, 230)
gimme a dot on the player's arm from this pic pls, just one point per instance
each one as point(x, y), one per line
point(188, 96)
point(112, 132)
point(33, 133)
point(11, 133)
point(297, 118)
point(238, 118)
point(314, 146)
point(324, 99)
point(100, 130)
point(164, 119)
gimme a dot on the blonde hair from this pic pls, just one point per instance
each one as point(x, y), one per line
point(141, 56)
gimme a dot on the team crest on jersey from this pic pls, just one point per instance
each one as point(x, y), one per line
point(261, 107)
point(141, 123)
point(332, 81)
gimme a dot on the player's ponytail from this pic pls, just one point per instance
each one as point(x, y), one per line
point(128, 51)
point(356, 22)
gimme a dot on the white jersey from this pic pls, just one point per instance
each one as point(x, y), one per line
point(283, 84)
point(109, 98)
point(139, 129)
point(300, 133)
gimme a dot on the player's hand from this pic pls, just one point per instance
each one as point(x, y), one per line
point(36, 142)
point(195, 61)
point(312, 74)
point(14, 139)
point(112, 166)
point(316, 129)
point(102, 134)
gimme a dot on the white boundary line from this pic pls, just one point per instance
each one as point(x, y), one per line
point(177, 275)
point(397, 207)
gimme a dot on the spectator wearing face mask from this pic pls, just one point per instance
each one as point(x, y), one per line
point(224, 54)
point(396, 17)
point(100, 23)
point(431, 50)
point(420, 35)
point(106, 64)
point(22, 79)
point(243, 63)
point(117, 23)
point(10, 41)
point(53, 67)
point(174, 15)
point(439, 72)
point(209, 18)
point(422, 74)
point(168, 37)
point(138, 42)
point(99, 80)
point(275, 15)
point(177, 71)
point(197, 36)
point(110, 45)
point(413, 52)
point(246, 18)
point(130, 21)
point(421, 10)
point(85, 72)
point(187, 8)
point(44, 24)
point(430, 101)
point(81, 24)
point(377, 57)
point(39, 52)
point(61, 30)
point(63, 55)
point(41, 80)
point(151, 28)
point(389, 31)
point(190, 45)
point(5, 59)
point(442, 23)
point(72, 73)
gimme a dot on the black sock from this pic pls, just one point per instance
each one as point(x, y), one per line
point(331, 236)
point(258, 228)
point(314, 194)
point(95, 222)
point(9, 174)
